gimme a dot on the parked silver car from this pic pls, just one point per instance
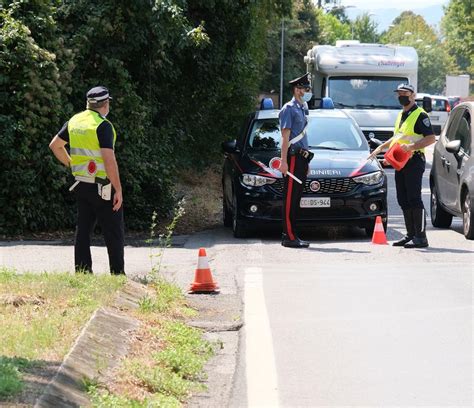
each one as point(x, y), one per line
point(452, 173)
point(440, 109)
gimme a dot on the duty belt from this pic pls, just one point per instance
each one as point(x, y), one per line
point(90, 180)
point(308, 155)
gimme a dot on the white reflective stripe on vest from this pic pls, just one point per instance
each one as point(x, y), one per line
point(85, 152)
point(84, 167)
point(411, 139)
point(85, 179)
point(203, 263)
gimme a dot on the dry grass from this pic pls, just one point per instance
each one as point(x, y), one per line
point(203, 194)
point(40, 316)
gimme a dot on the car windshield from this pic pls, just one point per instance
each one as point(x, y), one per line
point(323, 133)
point(364, 92)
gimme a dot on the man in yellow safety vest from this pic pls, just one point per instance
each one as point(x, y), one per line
point(91, 139)
point(413, 131)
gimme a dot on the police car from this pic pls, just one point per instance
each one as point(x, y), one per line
point(342, 187)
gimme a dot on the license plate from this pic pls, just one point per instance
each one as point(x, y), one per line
point(434, 118)
point(320, 202)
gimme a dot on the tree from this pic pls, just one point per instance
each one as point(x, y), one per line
point(364, 29)
point(301, 31)
point(182, 73)
point(458, 30)
point(332, 29)
point(410, 29)
point(33, 102)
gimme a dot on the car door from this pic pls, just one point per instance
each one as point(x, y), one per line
point(463, 133)
point(445, 163)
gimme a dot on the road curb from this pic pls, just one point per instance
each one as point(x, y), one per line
point(103, 341)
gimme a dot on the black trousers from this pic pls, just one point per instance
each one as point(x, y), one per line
point(292, 192)
point(408, 182)
point(91, 209)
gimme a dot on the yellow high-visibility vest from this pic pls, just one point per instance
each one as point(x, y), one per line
point(86, 157)
point(405, 134)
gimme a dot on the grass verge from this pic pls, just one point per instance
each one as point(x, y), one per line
point(40, 317)
point(165, 365)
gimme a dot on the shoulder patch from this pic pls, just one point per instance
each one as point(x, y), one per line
point(426, 122)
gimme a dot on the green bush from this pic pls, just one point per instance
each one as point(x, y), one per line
point(182, 74)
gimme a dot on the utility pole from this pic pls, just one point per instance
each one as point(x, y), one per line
point(281, 61)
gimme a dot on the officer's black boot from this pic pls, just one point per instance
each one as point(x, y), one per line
point(293, 243)
point(408, 215)
point(419, 222)
point(305, 243)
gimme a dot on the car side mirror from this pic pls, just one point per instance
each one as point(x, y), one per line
point(230, 146)
point(374, 143)
point(453, 146)
point(427, 104)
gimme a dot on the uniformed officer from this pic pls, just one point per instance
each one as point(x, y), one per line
point(413, 131)
point(91, 138)
point(294, 156)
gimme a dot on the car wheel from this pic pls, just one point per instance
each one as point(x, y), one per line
point(439, 217)
point(369, 229)
point(467, 217)
point(226, 214)
point(238, 227)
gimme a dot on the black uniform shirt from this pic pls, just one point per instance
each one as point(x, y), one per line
point(422, 124)
point(105, 134)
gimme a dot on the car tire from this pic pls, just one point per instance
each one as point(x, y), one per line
point(369, 229)
point(467, 217)
point(439, 217)
point(226, 214)
point(238, 228)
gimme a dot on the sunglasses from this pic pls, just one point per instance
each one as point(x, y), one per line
point(306, 88)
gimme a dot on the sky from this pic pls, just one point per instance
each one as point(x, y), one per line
point(384, 12)
point(399, 4)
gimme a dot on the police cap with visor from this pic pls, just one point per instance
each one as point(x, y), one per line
point(301, 82)
point(405, 87)
point(98, 94)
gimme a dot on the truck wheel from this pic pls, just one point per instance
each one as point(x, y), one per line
point(467, 217)
point(439, 217)
point(238, 227)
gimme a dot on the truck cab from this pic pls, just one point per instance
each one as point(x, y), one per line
point(360, 79)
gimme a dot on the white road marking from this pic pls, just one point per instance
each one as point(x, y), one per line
point(261, 374)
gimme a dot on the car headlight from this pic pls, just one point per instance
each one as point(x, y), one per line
point(256, 181)
point(370, 179)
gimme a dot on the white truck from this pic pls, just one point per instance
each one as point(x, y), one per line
point(457, 85)
point(360, 78)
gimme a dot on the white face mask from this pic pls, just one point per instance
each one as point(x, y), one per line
point(307, 96)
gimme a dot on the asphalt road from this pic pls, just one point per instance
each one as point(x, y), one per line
point(351, 324)
point(344, 323)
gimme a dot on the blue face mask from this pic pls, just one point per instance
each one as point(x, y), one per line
point(307, 96)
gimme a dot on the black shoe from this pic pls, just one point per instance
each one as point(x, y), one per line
point(418, 242)
point(405, 240)
point(294, 243)
point(302, 241)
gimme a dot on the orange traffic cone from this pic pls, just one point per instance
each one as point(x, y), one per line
point(203, 282)
point(379, 236)
point(397, 157)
